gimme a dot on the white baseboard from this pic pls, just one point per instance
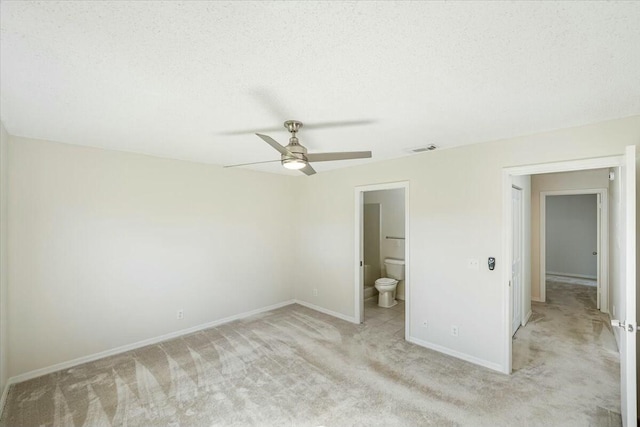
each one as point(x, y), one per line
point(527, 317)
point(329, 312)
point(457, 354)
point(537, 299)
point(579, 276)
point(90, 358)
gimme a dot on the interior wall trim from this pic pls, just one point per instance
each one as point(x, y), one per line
point(458, 355)
point(341, 316)
point(90, 358)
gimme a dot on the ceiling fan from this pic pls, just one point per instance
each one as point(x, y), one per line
point(295, 156)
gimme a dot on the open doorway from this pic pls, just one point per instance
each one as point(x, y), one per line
point(574, 239)
point(382, 279)
point(558, 332)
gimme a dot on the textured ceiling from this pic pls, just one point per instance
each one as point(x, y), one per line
point(179, 80)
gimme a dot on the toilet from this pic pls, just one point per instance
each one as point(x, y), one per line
point(387, 285)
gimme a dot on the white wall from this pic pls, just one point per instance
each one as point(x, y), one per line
point(392, 219)
point(455, 213)
point(4, 352)
point(580, 180)
point(572, 235)
point(106, 246)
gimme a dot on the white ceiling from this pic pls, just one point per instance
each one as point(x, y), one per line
point(173, 79)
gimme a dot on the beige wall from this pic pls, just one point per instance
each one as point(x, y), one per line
point(455, 213)
point(106, 246)
point(4, 353)
point(597, 178)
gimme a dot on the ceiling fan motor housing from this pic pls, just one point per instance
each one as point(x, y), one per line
point(298, 151)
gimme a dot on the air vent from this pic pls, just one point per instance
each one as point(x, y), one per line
point(423, 149)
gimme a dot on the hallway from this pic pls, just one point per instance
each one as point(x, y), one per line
point(570, 342)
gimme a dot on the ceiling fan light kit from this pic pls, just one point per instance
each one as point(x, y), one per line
point(293, 164)
point(294, 155)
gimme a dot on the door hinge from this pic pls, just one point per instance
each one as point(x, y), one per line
point(360, 263)
point(629, 327)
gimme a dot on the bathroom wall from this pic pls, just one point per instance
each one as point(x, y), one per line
point(392, 213)
point(371, 231)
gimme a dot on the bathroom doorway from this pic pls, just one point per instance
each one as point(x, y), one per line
point(382, 235)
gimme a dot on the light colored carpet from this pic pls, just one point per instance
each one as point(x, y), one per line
point(297, 367)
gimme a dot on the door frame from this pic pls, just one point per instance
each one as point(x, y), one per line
point(602, 242)
point(507, 183)
point(359, 249)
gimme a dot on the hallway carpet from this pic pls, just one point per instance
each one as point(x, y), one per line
point(297, 367)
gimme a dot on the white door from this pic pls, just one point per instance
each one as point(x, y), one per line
point(516, 266)
point(598, 251)
point(627, 317)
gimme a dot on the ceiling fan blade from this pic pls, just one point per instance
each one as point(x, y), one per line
point(272, 142)
point(321, 125)
point(343, 123)
point(308, 170)
point(252, 163)
point(345, 155)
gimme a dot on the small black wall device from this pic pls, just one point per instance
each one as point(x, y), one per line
point(492, 263)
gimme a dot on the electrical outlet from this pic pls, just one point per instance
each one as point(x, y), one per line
point(180, 314)
point(315, 292)
point(454, 331)
point(473, 264)
point(424, 323)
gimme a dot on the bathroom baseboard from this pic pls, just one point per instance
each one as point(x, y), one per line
point(370, 292)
